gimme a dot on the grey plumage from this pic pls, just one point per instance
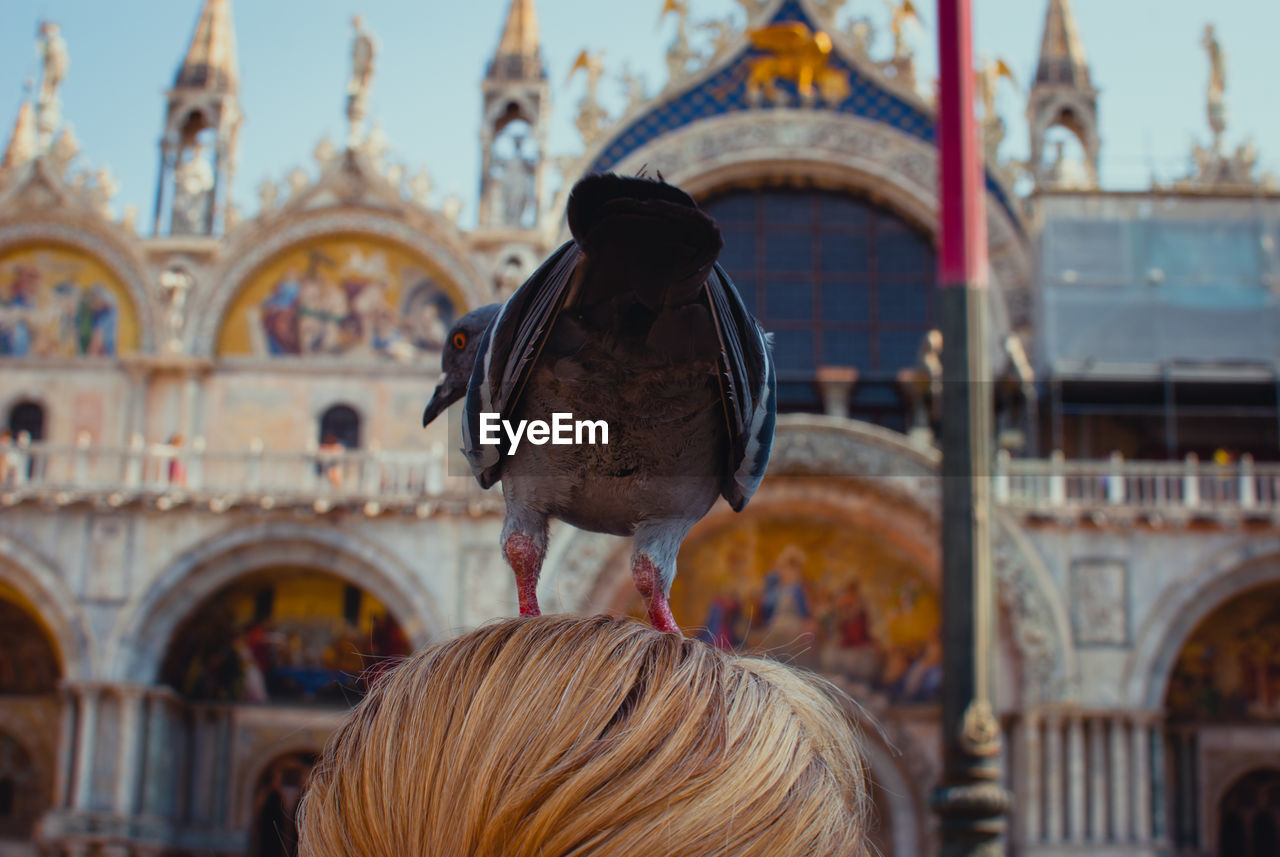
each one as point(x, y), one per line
point(633, 323)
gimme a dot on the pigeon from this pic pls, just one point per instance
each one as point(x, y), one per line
point(631, 323)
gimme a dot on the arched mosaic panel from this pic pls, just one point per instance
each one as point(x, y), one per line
point(58, 301)
point(283, 635)
point(357, 296)
point(819, 593)
point(1229, 667)
point(28, 661)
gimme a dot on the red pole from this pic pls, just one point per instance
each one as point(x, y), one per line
point(970, 802)
point(962, 256)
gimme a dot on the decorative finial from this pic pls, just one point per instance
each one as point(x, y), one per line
point(902, 63)
point(988, 77)
point(632, 87)
point(1215, 167)
point(592, 117)
point(1215, 106)
point(680, 54)
point(54, 65)
point(363, 52)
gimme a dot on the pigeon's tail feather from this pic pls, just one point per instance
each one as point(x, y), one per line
point(650, 234)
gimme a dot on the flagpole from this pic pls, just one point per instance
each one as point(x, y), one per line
point(970, 801)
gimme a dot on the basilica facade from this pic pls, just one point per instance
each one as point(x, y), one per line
point(220, 516)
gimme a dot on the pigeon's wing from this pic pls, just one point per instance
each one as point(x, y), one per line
point(506, 354)
point(748, 389)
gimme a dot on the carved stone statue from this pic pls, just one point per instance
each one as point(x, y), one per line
point(363, 52)
point(993, 127)
point(175, 283)
point(193, 182)
point(632, 87)
point(54, 65)
point(902, 65)
point(899, 14)
point(679, 53)
point(1216, 106)
point(592, 117)
point(515, 177)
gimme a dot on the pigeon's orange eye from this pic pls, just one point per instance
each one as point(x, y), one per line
point(459, 340)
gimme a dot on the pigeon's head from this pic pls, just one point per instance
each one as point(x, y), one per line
point(458, 358)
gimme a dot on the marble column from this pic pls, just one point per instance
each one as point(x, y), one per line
point(1123, 781)
point(1053, 777)
point(64, 774)
point(1034, 766)
point(1076, 777)
point(132, 729)
point(85, 746)
point(1142, 776)
point(1097, 778)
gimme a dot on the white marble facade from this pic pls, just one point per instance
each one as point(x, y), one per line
point(113, 535)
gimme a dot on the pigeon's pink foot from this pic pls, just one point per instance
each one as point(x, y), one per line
point(525, 558)
point(649, 582)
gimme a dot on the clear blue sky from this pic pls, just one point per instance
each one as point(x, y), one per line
point(1145, 56)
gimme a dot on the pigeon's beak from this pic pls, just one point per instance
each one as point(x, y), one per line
point(446, 394)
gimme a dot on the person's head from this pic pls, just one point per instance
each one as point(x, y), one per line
point(596, 737)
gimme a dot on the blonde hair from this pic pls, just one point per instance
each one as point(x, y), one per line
point(563, 736)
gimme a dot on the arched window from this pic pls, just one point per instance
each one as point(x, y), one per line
point(340, 424)
point(27, 416)
point(1251, 816)
point(275, 804)
point(28, 662)
point(839, 281)
point(22, 800)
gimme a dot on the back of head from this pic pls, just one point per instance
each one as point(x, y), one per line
point(590, 737)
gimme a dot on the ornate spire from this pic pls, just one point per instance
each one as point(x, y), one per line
point(22, 142)
point(211, 60)
point(1062, 59)
point(519, 56)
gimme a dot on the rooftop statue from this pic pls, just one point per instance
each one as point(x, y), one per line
point(363, 52)
point(1216, 105)
point(54, 64)
point(797, 54)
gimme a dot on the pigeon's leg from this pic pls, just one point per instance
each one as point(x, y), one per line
point(524, 543)
point(653, 567)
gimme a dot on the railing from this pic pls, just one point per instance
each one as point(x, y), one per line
point(1189, 487)
point(171, 475)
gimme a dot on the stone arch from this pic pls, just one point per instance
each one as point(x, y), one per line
point(252, 818)
point(435, 241)
point(1037, 617)
point(836, 151)
point(247, 777)
point(1183, 606)
point(44, 588)
point(105, 245)
point(140, 643)
point(584, 569)
point(902, 794)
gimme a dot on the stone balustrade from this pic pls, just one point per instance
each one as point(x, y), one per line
point(1172, 489)
point(173, 476)
point(170, 476)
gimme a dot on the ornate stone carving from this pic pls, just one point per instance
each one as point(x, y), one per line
point(1032, 621)
point(592, 119)
point(1100, 602)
